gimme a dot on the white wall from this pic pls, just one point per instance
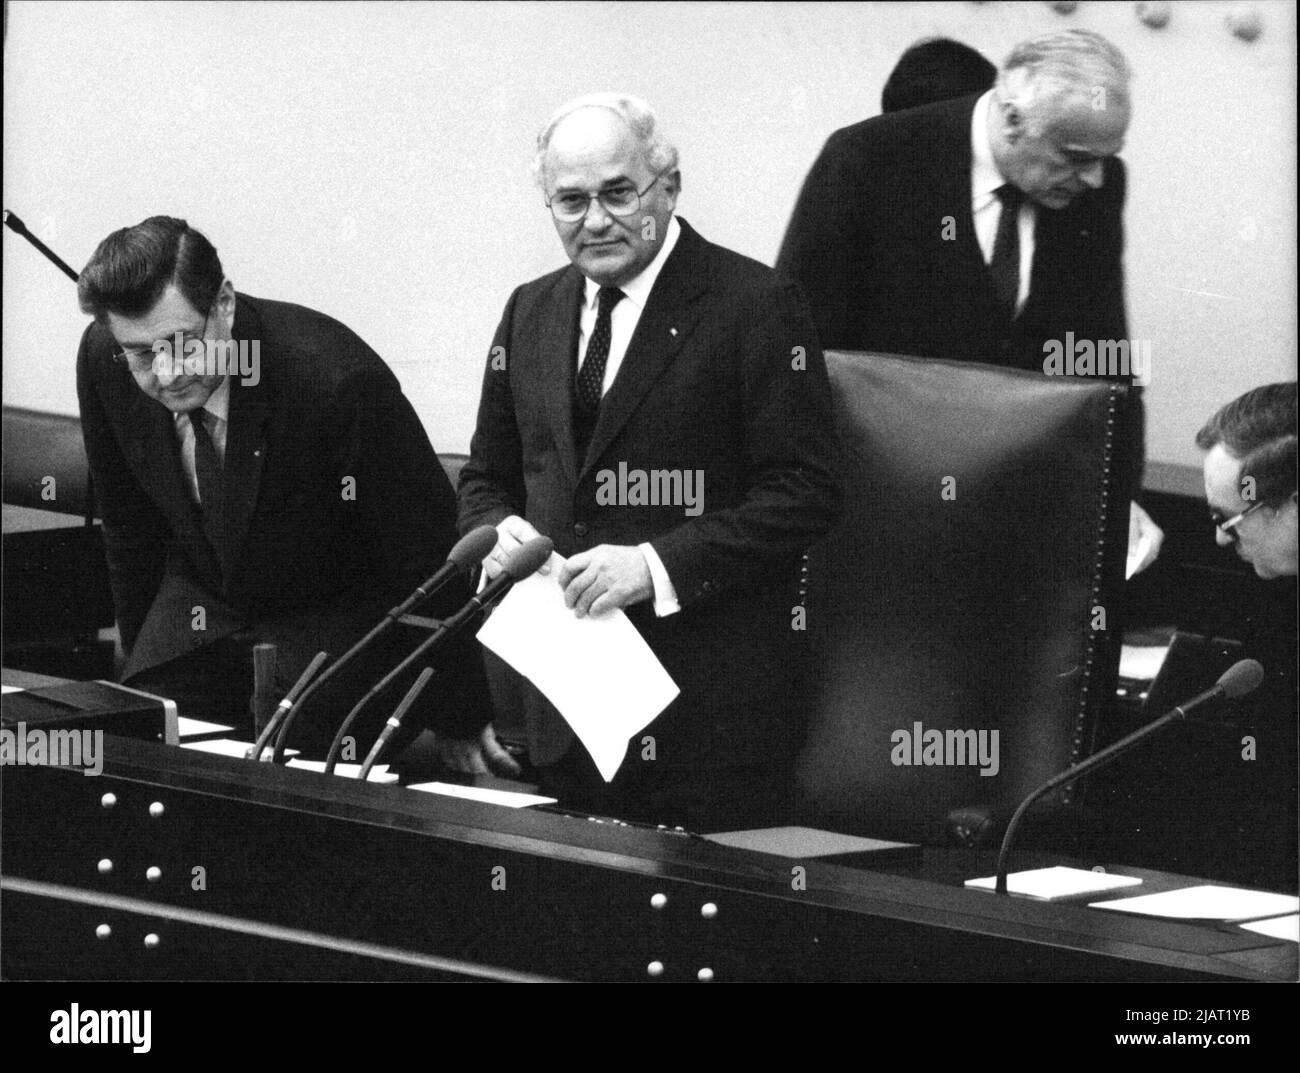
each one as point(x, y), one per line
point(371, 160)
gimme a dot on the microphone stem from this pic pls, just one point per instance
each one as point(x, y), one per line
point(1096, 760)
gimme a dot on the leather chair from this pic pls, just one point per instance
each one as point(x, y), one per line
point(972, 584)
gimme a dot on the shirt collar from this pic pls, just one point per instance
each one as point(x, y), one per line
point(218, 404)
point(637, 290)
point(984, 175)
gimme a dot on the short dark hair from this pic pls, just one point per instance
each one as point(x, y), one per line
point(133, 266)
point(936, 69)
point(1259, 428)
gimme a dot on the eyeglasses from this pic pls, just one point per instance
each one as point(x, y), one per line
point(621, 200)
point(1228, 526)
point(140, 359)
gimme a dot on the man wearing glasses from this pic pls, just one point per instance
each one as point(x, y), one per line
point(1250, 485)
point(261, 478)
point(656, 350)
point(1250, 477)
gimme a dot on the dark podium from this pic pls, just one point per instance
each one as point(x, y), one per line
point(177, 865)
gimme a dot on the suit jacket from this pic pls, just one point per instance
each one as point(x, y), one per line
point(867, 243)
point(306, 565)
point(724, 375)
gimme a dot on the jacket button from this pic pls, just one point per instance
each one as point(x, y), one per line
point(580, 529)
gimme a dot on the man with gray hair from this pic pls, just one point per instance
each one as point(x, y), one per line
point(975, 229)
point(658, 352)
point(986, 228)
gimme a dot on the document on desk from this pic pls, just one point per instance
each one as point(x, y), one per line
point(1207, 902)
point(1058, 882)
point(598, 672)
point(1287, 927)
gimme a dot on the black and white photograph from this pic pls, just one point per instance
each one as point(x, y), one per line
point(685, 492)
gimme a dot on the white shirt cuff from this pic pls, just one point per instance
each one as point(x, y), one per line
point(665, 595)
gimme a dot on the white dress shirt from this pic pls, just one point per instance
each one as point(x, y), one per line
point(622, 323)
point(214, 417)
point(986, 206)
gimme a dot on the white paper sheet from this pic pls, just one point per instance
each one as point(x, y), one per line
point(598, 672)
point(508, 798)
point(192, 728)
point(1142, 663)
point(1058, 882)
point(1206, 902)
point(229, 747)
point(378, 773)
point(1287, 927)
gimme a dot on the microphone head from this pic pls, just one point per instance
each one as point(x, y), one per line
point(473, 547)
point(528, 558)
point(1241, 678)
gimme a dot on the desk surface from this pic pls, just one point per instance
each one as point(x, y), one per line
point(414, 872)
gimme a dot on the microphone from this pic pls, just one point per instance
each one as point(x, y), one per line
point(394, 722)
point(273, 724)
point(19, 228)
point(1241, 678)
point(521, 563)
point(465, 554)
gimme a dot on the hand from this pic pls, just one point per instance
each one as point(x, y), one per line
point(1142, 528)
point(478, 756)
point(511, 533)
point(607, 577)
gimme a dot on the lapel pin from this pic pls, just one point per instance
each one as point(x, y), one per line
point(672, 331)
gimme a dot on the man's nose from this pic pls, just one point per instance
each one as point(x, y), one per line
point(166, 368)
point(1093, 175)
point(596, 218)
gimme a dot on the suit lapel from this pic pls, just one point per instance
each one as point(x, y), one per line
point(558, 344)
point(250, 407)
point(667, 320)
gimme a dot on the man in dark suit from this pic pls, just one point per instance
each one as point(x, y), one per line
point(261, 478)
point(987, 228)
point(656, 350)
point(903, 239)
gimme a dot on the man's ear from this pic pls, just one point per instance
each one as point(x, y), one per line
point(1012, 121)
point(226, 300)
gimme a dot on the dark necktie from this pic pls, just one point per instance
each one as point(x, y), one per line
point(591, 377)
point(1005, 265)
point(207, 468)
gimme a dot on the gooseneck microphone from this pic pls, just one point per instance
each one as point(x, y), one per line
point(19, 228)
point(523, 562)
point(282, 710)
point(467, 553)
point(1241, 678)
point(394, 722)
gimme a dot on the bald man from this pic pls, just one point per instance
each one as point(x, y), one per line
point(656, 351)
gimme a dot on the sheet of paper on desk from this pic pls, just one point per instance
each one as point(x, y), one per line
point(1206, 903)
point(508, 798)
point(1058, 882)
point(1287, 927)
point(378, 773)
point(228, 747)
point(598, 672)
point(192, 728)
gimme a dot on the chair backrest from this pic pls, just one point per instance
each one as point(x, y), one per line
point(38, 446)
point(970, 587)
